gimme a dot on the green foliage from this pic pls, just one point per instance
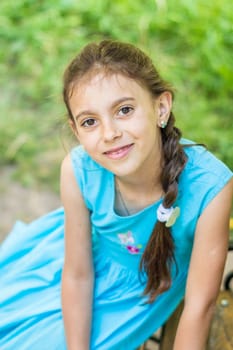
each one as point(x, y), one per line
point(190, 41)
point(203, 35)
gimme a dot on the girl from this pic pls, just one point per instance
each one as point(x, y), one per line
point(146, 220)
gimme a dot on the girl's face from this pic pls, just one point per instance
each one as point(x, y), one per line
point(117, 121)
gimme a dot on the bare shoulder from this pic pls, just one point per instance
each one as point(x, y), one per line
point(213, 224)
point(68, 185)
point(219, 208)
point(66, 166)
point(71, 195)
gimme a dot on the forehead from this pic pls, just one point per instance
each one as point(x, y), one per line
point(103, 86)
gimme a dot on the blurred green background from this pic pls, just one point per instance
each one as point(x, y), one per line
point(191, 42)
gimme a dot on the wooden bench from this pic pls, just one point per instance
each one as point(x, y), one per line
point(221, 330)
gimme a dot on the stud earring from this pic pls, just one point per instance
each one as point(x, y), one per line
point(163, 124)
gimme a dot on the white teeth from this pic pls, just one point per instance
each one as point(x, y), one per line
point(118, 151)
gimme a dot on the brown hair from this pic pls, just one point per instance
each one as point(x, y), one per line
point(126, 59)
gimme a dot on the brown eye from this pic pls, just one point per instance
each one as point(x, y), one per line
point(125, 110)
point(88, 122)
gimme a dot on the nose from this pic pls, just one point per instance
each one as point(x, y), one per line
point(111, 131)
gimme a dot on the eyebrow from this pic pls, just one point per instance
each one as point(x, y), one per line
point(114, 104)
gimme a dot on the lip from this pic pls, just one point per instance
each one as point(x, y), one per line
point(119, 152)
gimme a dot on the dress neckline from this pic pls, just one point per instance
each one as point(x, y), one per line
point(131, 215)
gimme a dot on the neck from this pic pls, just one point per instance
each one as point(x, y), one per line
point(137, 194)
point(148, 178)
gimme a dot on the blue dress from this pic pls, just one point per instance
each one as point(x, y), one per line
point(31, 260)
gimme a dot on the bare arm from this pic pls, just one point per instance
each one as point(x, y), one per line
point(77, 278)
point(205, 273)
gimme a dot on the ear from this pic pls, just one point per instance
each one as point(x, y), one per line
point(164, 106)
point(73, 128)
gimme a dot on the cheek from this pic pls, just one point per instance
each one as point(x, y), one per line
point(88, 140)
point(144, 129)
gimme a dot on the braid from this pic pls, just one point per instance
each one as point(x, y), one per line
point(159, 253)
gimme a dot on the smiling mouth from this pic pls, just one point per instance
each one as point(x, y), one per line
point(118, 153)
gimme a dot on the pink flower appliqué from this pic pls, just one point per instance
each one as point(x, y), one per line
point(132, 250)
point(127, 240)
